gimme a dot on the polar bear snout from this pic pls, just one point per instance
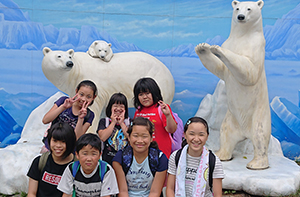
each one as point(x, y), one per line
point(241, 17)
point(69, 64)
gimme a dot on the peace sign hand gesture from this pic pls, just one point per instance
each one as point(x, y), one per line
point(164, 108)
point(69, 101)
point(83, 110)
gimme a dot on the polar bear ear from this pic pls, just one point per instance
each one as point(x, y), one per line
point(95, 43)
point(91, 50)
point(46, 50)
point(260, 4)
point(234, 3)
point(109, 44)
point(70, 52)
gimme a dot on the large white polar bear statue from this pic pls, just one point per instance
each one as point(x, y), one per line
point(240, 63)
point(66, 69)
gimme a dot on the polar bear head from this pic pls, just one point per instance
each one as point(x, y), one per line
point(101, 49)
point(57, 65)
point(246, 12)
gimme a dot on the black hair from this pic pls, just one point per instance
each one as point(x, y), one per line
point(141, 121)
point(192, 120)
point(117, 98)
point(89, 84)
point(62, 131)
point(146, 84)
point(88, 139)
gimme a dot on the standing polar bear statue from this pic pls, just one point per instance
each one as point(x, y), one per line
point(240, 63)
point(66, 69)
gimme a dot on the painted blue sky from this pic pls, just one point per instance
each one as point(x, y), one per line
point(149, 24)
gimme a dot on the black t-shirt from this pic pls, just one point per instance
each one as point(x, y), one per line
point(114, 143)
point(48, 179)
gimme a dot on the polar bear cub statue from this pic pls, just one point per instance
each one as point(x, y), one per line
point(240, 63)
point(101, 49)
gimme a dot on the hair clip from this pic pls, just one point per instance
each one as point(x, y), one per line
point(188, 122)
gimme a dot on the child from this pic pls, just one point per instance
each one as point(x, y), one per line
point(112, 130)
point(187, 176)
point(140, 167)
point(89, 176)
point(44, 176)
point(75, 110)
point(147, 99)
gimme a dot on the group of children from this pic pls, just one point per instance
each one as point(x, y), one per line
point(136, 154)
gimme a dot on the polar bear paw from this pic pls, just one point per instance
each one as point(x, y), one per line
point(258, 163)
point(224, 155)
point(202, 48)
point(216, 50)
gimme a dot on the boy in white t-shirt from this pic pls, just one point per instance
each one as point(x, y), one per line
point(89, 176)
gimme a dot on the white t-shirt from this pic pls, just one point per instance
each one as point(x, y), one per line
point(89, 184)
point(191, 171)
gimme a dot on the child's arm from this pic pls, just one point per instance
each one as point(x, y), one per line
point(32, 187)
point(217, 187)
point(121, 180)
point(81, 128)
point(52, 113)
point(56, 110)
point(158, 184)
point(171, 124)
point(122, 124)
point(66, 195)
point(170, 191)
point(105, 133)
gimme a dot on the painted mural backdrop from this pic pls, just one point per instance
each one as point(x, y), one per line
point(167, 29)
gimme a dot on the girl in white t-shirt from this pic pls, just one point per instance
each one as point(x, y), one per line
point(190, 178)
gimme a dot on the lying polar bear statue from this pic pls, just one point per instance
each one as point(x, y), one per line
point(66, 69)
point(101, 49)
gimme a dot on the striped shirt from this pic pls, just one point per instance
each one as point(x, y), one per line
point(191, 171)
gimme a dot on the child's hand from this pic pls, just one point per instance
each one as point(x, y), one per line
point(69, 101)
point(114, 117)
point(164, 108)
point(121, 117)
point(83, 110)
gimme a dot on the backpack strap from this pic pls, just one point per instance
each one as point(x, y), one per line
point(107, 120)
point(127, 157)
point(75, 168)
point(153, 159)
point(102, 169)
point(211, 164)
point(177, 156)
point(43, 160)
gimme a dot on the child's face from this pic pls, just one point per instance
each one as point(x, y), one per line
point(57, 148)
point(85, 93)
point(140, 138)
point(88, 158)
point(117, 109)
point(196, 136)
point(145, 99)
